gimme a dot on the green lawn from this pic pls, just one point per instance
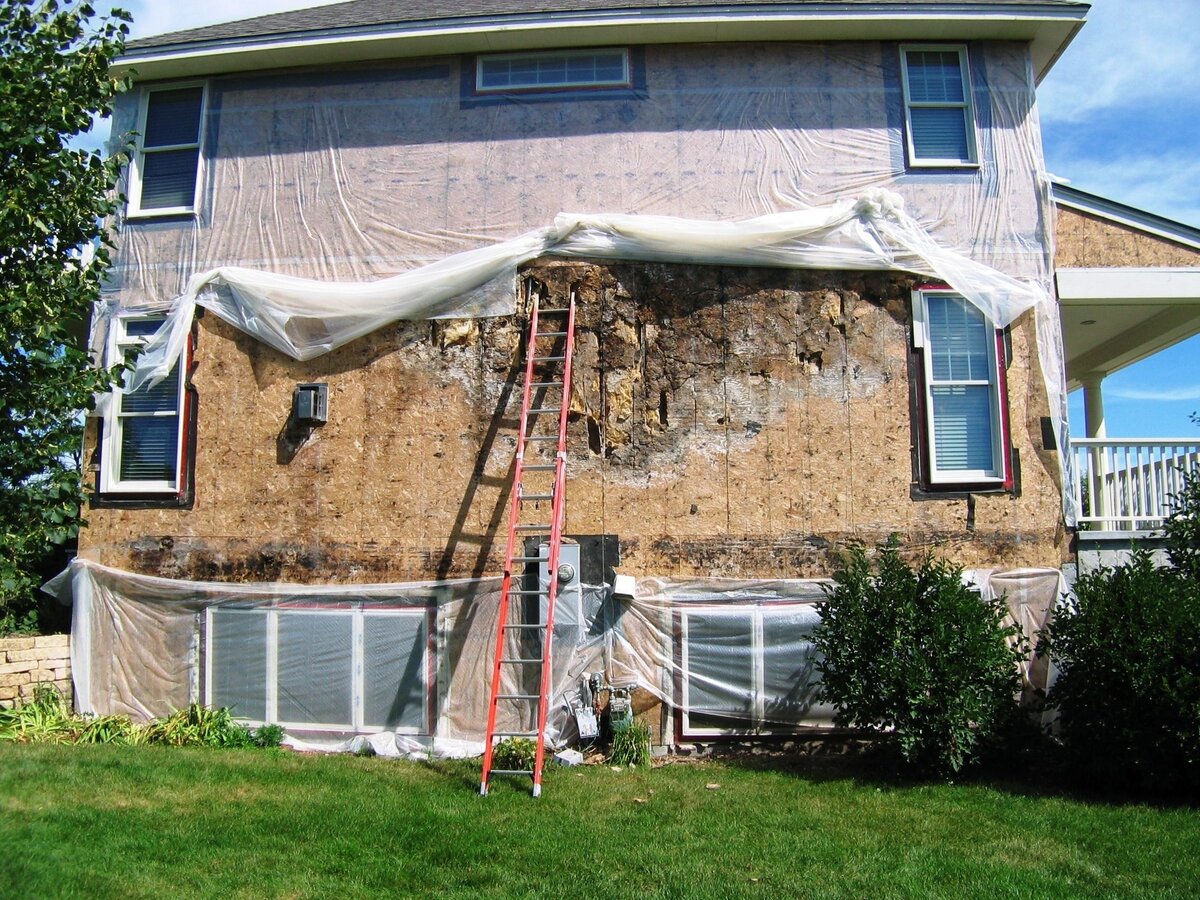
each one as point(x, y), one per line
point(151, 822)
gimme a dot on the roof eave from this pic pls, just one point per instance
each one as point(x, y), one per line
point(1049, 29)
point(1123, 214)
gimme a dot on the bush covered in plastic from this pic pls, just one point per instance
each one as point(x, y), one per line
point(1127, 647)
point(919, 658)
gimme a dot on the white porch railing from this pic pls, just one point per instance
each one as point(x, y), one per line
point(1127, 485)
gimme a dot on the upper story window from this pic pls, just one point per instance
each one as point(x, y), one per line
point(964, 428)
point(937, 105)
point(554, 70)
point(143, 436)
point(166, 165)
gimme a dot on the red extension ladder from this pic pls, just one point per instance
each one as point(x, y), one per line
point(544, 351)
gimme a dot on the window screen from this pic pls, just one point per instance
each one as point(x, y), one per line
point(962, 385)
point(170, 149)
point(940, 122)
point(237, 651)
point(395, 671)
point(720, 670)
point(315, 665)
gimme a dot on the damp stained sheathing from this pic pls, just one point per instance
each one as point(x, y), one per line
point(725, 421)
point(1083, 241)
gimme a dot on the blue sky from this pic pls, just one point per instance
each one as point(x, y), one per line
point(1119, 119)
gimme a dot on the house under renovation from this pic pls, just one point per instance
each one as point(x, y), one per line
point(792, 267)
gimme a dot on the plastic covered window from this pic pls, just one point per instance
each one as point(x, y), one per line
point(937, 105)
point(143, 435)
point(962, 390)
point(167, 165)
point(747, 669)
point(359, 670)
point(552, 71)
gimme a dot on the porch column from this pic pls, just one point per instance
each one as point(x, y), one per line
point(1093, 404)
point(1098, 481)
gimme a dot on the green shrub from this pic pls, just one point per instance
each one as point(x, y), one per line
point(515, 754)
point(1183, 528)
point(268, 736)
point(47, 717)
point(631, 744)
point(919, 658)
point(1128, 691)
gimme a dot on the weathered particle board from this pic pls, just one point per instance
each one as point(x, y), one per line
point(726, 421)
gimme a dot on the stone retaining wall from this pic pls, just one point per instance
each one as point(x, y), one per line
point(28, 661)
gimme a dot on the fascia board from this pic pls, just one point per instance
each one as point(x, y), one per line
point(1048, 29)
point(1176, 286)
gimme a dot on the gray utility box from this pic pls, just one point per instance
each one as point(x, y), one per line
point(310, 404)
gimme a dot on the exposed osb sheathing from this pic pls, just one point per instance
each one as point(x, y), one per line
point(1084, 241)
point(726, 421)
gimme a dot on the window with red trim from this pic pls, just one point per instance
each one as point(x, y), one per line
point(964, 431)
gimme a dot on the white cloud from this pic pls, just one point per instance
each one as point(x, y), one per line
point(1162, 183)
point(1166, 395)
point(1130, 52)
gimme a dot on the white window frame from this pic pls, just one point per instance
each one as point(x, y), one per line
point(134, 209)
point(755, 614)
point(967, 105)
point(357, 615)
point(624, 82)
point(998, 474)
point(119, 341)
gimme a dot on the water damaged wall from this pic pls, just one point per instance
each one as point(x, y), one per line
point(725, 421)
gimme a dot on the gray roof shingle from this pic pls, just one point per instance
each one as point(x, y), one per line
point(370, 14)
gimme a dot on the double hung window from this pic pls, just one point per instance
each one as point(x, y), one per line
point(964, 428)
point(937, 105)
point(166, 166)
point(143, 438)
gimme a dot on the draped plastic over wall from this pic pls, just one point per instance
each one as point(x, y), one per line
point(334, 203)
point(408, 665)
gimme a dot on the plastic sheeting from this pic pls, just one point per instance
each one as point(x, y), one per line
point(334, 203)
point(406, 668)
point(304, 318)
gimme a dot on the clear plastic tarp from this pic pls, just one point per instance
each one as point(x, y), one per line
point(334, 203)
point(407, 667)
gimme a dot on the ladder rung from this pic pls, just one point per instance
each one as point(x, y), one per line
point(549, 358)
point(545, 384)
point(539, 467)
point(541, 437)
point(518, 696)
point(528, 593)
point(528, 558)
point(522, 661)
point(525, 625)
point(510, 772)
point(537, 410)
point(554, 334)
point(553, 312)
point(545, 528)
point(529, 734)
point(537, 496)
